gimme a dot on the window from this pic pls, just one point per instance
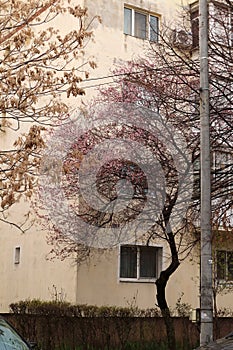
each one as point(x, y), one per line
point(195, 27)
point(140, 262)
point(196, 179)
point(220, 24)
point(17, 255)
point(141, 24)
point(222, 171)
point(224, 265)
point(127, 21)
point(222, 174)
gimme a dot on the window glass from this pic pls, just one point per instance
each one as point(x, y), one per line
point(148, 262)
point(222, 171)
point(196, 178)
point(127, 21)
point(230, 265)
point(231, 26)
point(140, 25)
point(128, 265)
point(220, 24)
point(154, 28)
point(17, 255)
point(139, 262)
point(221, 265)
point(195, 27)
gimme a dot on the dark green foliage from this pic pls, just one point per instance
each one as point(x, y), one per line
point(61, 308)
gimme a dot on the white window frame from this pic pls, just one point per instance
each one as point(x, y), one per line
point(159, 263)
point(148, 27)
point(224, 280)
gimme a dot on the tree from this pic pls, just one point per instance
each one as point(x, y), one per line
point(91, 183)
point(39, 64)
point(167, 82)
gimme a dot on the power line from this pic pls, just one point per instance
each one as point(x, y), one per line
point(124, 74)
point(97, 85)
point(118, 75)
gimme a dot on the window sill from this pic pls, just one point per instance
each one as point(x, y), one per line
point(142, 39)
point(136, 37)
point(140, 280)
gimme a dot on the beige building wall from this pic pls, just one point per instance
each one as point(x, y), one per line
point(97, 280)
point(28, 273)
point(111, 46)
point(94, 282)
point(98, 283)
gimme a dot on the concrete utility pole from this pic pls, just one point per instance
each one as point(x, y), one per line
point(206, 316)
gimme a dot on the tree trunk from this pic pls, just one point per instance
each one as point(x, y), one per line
point(171, 338)
point(162, 303)
point(161, 282)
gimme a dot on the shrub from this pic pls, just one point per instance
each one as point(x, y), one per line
point(62, 308)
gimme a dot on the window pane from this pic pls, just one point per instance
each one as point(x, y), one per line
point(220, 32)
point(154, 28)
point(230, 266)
point(127, 21)
point(195, 27)
point(140, 25)
point(17, 255)
point(196, 178)
point(231, 26)
point(128, 262)
point(221, 265)
point(148, 262)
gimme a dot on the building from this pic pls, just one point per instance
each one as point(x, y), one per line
point(125, 275)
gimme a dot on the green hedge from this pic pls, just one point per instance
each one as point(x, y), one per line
point(59, 325)
point(58, 308)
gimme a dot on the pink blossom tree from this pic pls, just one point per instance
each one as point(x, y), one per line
point(166, 83)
